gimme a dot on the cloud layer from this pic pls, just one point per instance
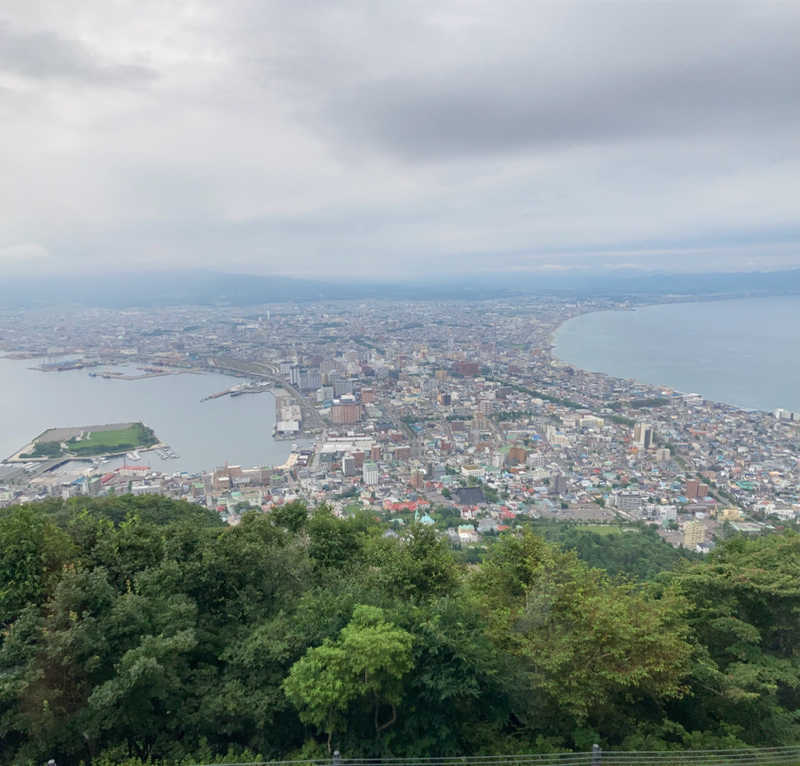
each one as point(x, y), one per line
point(371, 139)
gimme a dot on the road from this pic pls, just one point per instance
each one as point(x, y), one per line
point(311, 418)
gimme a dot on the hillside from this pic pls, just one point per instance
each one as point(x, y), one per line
point(142, 628)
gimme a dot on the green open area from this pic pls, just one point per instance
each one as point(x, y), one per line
point(605, 529)
point(44, 449)
point(98, 442)
point(638, 404)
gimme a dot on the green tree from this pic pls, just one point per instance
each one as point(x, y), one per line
point(584, 645)
point(292, 516)
point(416, 565)
point(141, 703)
point(140, 628)
point(336, 543)
point(745, 614)
point(636, 551)
point(456, 699)
point(32, 551)
point(366, 664)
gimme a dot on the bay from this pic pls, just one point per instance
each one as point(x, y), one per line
point(741, 352)
point(204, 434)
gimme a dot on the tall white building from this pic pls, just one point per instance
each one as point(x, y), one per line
point(369, 473)
point(643, 435)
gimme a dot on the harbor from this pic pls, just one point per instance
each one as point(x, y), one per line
point(199, 435)
point(239, 390)
point(147, 372)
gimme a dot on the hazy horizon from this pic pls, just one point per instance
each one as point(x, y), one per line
point(385, 140)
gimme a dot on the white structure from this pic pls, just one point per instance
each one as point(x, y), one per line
point(369, 473)
point(643, 435)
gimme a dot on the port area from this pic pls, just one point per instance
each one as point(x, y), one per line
point(142, 373)
point(54, 474)
point(147, 372)
point(88, 442)
point(65, 366)
point(240, 390)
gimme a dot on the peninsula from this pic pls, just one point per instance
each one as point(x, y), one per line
point(87, 441)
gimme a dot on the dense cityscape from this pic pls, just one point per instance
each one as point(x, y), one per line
point(457, 415)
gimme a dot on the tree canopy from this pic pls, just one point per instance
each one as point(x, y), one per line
point(136, 629)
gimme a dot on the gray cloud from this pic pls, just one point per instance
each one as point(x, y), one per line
point(371, 139)
point(44, 55)
point(645, 73)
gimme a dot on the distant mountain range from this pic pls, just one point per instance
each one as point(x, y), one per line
point(171, 288)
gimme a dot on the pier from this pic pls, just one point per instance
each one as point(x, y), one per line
point(239, 390)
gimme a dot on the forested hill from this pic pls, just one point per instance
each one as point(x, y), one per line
point(634, 550)
point(140, 628)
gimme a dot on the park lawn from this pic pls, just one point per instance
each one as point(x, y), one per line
point(98, 442)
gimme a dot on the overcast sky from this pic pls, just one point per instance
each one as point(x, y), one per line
point(397, 138)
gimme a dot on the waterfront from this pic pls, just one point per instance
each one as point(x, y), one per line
point(407, 397)
point(742, 352)
point(203, 434)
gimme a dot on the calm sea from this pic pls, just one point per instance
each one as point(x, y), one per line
point(742, 352)
point(204, 434)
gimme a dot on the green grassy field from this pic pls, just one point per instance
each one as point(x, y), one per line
point(100, 442)
point(606, 529)
point(135, 436)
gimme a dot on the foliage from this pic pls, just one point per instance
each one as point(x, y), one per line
point(44, 449)
point(446, 516)
point(621, 420)
point(293, 516)
point(97, 442)
point(582, 642)
point(540, 394)
point(490, 493)
point(637, 404)
point(746, 616)
point(140, 630)
point(33, 551)
point(365, 663)
point(512, 415)
point(636, 551)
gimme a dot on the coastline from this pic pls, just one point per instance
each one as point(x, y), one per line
point(655, 387)
point(169, 403)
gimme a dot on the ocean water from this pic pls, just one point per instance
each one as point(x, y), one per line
point(203, 434)
point(742, 352)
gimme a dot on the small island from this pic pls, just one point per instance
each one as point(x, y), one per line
point(88, 441)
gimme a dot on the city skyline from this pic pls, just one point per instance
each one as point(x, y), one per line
point(394, 407)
